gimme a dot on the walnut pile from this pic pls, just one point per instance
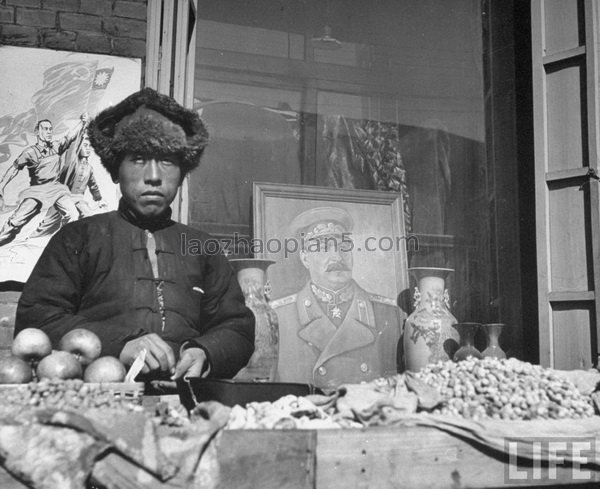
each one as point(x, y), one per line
point(74, 394)
point(505, 389)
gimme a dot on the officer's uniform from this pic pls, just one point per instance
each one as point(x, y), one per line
point(328, 338)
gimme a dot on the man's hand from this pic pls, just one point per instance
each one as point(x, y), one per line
point(191, 364)
point(84, 117)
point(159, 354)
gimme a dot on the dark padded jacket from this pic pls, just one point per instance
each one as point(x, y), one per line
point(95, 274)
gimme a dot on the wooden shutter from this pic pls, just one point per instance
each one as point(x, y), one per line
point(565, 94)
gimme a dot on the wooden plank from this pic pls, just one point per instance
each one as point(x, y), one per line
point(267, 459)
point(569, 173)
point(561, 24)
point(572, 295)
point(559, 146)
point(566, 91)
point(166, 52)
point(416, 457)
point(188, 99)
point(568, 239)
point(572, 331)
point(191, 56)
point(378, 458)
point(153, 43)
point(592, 12)
point(178, 81)
point(541, 168)
point(564, 124)
point(180, 47)
point(563, 55)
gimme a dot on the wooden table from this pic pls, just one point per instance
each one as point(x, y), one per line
point(378, 458)
point(399, 457)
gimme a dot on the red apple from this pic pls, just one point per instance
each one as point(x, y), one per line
point(31, 344)
point(82, 343)
point(105, 369)
point(59, 365)
point(14, 370)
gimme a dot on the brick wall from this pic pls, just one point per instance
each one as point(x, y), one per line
point(115, 27)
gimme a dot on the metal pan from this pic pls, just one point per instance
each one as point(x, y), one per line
point(231, 392)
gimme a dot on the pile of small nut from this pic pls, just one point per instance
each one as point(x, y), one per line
point(288, 412)
point(504, 389)
point(74, 394)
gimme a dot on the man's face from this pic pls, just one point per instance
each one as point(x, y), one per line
point(149, 184)
point(85, 150)
point(44, 132)
point(329, 262)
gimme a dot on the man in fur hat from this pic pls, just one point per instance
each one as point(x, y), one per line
point(333, 331)
point(122, 274)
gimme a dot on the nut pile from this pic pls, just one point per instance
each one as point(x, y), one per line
point(288, 412)
point(67, 394)
point(504, 389)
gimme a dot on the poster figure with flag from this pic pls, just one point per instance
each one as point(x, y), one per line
point(78, 175)
point(42, 161)
point(41, 107)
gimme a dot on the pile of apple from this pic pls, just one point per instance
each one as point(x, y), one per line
point(77, 357)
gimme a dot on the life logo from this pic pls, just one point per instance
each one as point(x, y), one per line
point(551, 459)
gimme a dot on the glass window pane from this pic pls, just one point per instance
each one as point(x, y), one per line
point(385, 95)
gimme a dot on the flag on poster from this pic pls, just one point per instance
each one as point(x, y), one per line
point(68, 90)
point(64, 96)
point(65, 92)
point(14, 130)
point(102, 78)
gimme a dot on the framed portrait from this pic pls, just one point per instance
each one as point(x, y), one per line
point(379, 242)
point(340, 265)
point(48, 90)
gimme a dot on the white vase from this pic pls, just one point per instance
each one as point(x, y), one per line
point(428, 333)
point(251, 275)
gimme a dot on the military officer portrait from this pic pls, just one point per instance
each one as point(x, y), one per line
point(333, 331)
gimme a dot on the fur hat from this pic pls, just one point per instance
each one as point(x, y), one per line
point(148, 123)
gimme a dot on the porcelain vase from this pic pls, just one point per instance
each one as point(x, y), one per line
point(251, 275)
point(493, 332)
point(428, 333)
point(466, 332)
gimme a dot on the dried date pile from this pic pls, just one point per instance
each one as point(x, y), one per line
point(74, 394)
point(505, 389)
